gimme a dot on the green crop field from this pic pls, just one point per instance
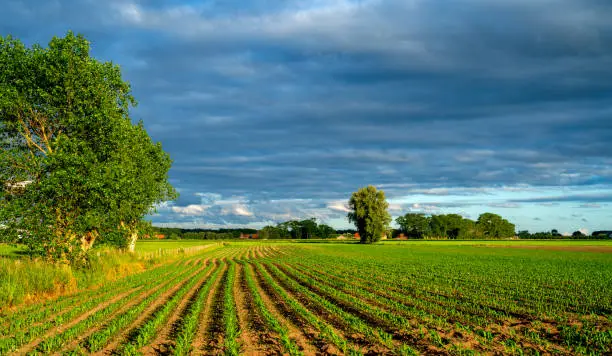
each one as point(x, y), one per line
point(392, 298)
point(153, 246)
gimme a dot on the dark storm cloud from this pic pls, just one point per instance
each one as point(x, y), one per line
point(310, 100)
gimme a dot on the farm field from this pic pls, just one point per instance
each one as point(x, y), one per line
point(267, 298)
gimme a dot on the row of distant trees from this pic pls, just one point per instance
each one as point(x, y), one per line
point(411, 226)
point(298, 229)
point(454, 226)
point(555, 235)
point(293, 229)
point(200, 234)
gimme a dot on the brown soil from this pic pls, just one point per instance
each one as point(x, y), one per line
point(337, 324)
point(163, 342)
point(299, 331)
point(336, 321)
point(155, 305)
point(255, 338)
point(211, 316)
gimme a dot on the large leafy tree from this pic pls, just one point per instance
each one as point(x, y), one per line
point(72, 164)
point(369, 213)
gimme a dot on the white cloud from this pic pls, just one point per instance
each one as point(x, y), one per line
point(426, 208)
point(190, 210)
point(338, 206)
point(236, 209)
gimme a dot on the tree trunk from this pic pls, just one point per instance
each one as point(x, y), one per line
point(131, 247)
point(88, 240)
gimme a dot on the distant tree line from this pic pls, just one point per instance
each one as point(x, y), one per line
point(454, 226)
point(298, 229)
point(200, 234)
point(555, 235)
point(411, 226)
point(293, 229)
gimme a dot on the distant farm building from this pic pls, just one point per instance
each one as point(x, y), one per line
point(248, 236)
point(156, 236)
point(401, 236)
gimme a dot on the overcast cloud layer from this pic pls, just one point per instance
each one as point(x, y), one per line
point(275, 110)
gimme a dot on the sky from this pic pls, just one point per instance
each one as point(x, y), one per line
point(279, 110)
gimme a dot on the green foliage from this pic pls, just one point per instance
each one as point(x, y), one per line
point(269, 232)
point(72, 164)
point(305, 229)
point(494, 226)
point(555, 235)
point(415, 225)
point(369, 213)
point(326, 231)
point(454, 226)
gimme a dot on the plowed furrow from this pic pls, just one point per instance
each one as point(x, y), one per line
point(342, 325)
point(306, 337)
point(210, 320)
point(163, 343)
point(255, 338)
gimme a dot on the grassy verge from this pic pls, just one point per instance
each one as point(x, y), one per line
point(24, 280)
point(20, 279)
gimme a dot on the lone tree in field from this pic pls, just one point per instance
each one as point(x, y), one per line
point(72, 164)
point(369, 213)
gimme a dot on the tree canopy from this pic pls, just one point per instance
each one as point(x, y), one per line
point(369, 213)
point(494, 226)
point(454, 226)
point(67, 142)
